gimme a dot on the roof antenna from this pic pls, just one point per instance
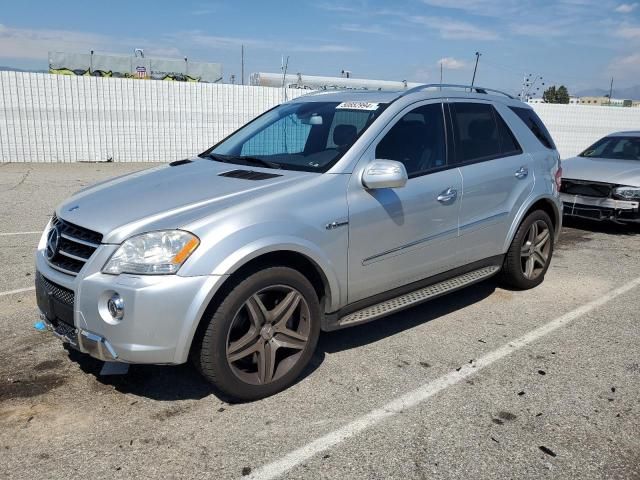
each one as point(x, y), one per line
point(473, 80)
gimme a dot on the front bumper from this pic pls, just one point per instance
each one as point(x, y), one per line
point(82, 340)
point(161, 312)
point(622, 211)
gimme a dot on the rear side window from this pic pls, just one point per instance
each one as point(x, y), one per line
point(531, 120)
point(508, 144)
point(475, 132)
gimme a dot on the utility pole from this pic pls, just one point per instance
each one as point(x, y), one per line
point(610, 90)
point(475, 68)
point(242, 63)
point(440, 75)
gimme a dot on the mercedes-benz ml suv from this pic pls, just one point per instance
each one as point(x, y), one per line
point(331, 210)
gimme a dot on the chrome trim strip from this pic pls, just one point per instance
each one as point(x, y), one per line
point(487, 219)
point(371, 259)
point(77, 240)
point(75, 257)
point(68, 272)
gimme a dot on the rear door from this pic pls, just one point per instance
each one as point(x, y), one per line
point(497, 177)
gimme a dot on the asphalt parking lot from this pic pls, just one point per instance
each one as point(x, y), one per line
point(483, 383)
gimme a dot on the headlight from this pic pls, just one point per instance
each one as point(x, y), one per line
point(628, 193)
point(153, 253)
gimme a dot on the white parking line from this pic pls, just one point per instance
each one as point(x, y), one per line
point(19, 290)
point(423, 393)
point(6, 234)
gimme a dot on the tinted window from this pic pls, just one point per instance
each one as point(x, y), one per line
point(417, 140)
point(475, 132)
point(531, 120)
point(620, 148)
point(508, 143)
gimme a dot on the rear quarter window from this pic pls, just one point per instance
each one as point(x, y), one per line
point(533, 122)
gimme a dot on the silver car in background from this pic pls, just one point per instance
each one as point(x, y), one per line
point(329, 211)
point(603, 182)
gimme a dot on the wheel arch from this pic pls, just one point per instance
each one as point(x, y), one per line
point(549, 205)
point(325, 285)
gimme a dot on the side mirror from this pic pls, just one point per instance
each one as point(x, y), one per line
point(385, 174)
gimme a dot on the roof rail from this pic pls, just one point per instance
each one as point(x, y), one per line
point(483, 90)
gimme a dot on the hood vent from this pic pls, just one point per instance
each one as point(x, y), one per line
point(249, 175)
point(180, 162)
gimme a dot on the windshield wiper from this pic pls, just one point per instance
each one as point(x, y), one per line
point(217, 157)
point(258, 161)
point(238, 159)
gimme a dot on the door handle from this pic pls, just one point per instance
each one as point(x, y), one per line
point(522, 172)
point(448, 196)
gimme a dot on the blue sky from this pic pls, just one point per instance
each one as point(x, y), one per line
point(580, 43)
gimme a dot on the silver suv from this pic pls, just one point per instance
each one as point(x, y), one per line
point(331, 210)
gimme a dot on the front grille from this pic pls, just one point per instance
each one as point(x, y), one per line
point(586, 188)
point(59, 292)
point(76, 245)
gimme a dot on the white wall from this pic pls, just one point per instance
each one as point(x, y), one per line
point(576, 127)
point(56, 118)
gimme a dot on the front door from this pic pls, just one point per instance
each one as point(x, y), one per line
point(401, 235)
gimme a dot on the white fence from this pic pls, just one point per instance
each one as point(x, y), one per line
point(576, 127)
point(56, 118)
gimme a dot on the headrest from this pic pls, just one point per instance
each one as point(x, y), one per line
point(344, 134)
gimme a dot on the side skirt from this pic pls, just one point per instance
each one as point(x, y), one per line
point(385, 304)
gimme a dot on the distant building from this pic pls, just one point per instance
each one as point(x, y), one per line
point(133, 66)
point(594, 101)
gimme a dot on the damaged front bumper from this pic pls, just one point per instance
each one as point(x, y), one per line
point(593, 208)
point(81, 340)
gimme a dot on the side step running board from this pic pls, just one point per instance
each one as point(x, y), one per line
point(418, 296)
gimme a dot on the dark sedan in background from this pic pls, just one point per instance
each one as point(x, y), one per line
point(603, 182)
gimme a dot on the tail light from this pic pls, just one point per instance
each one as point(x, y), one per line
point(559, 176)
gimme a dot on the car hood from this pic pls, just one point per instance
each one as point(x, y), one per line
point(622, 172)
point(166, 197)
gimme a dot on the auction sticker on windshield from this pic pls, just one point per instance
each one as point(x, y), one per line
point(358, 106)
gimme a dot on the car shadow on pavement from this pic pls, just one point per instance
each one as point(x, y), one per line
point(183, 382)
point(358, 336)
point(157, 382)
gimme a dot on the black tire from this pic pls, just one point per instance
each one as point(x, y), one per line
point(211, 355)
point(513, 269)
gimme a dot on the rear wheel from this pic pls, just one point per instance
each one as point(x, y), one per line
point(262, 335)
point(530, 253)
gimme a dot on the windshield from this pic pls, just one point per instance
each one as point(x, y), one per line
point(620, 148)
point(309, 136)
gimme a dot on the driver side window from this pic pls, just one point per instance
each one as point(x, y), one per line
point(417, 140)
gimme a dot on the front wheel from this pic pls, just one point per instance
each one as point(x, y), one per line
point(529, 255)
point(261, 336)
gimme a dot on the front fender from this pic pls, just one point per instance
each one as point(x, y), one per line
point(287, 244)
point(223, 252)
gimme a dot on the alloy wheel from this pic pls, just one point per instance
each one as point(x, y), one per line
point(534, 253)
point(268, 335)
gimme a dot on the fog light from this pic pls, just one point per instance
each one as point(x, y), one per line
point(115, 305)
